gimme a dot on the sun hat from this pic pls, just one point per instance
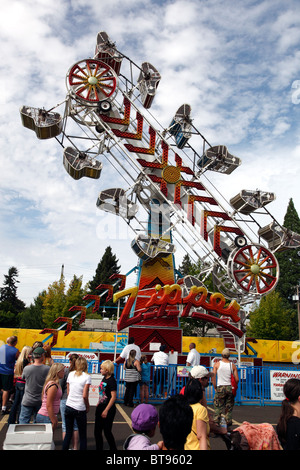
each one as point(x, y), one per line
point(38, 352)
point(144, 417)
point(198, 372)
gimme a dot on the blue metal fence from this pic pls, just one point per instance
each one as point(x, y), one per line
point(254, 385)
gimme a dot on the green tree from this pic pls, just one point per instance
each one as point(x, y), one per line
point(54, 302)
point(187, 267)
point(194, 326)
point(272, 319)
point(74, 295)
point(10, 305)
point(289, 260)
point(32, 317)
point(107, 266)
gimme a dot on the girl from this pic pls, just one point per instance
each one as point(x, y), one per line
point(132, 377)
point(22, 361)
point(145, 379)
point(77, 405)
point(106, 408)
point(63, 401)
point(288, 427)
point(198, 439)
point(51, 395)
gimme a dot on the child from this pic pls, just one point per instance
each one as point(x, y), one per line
point(144, 420)
point(106, 408)
point(145, 379)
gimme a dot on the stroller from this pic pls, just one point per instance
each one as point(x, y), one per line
point(254, 437)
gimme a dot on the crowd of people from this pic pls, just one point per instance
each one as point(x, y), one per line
point(42, 389)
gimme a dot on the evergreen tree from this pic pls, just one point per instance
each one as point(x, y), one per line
point(10, 305)
point(107, 266)
point(187, 267)
point(194, 326)
point(289, 260)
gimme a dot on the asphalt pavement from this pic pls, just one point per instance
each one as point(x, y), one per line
point(122, 423)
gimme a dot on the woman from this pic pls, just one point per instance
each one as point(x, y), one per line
point(106, 408)
point(51, 395)
point(288, 427)
point(22, 361)
point(132, 377)
point(198, 439)
point(77, 405)
point(63, 401)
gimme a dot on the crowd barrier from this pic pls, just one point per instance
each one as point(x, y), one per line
point(258, 386)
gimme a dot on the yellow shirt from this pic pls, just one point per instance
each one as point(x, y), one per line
point(200, 414)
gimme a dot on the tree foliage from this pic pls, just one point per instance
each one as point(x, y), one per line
point(194, 326)
point(273, 319)
point(107, 266)
point(289, 260)
point(10, 305)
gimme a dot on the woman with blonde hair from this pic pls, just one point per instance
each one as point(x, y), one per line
point(51, 395)
point(106, 408)
point(63, 401)
point(77, 405)
point(22, 361)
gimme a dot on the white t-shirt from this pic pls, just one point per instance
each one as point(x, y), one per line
point(193, 358)
point(125, 353)
point(76, 385)
point(160, 358)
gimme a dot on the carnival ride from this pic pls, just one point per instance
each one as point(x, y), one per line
point(106, 120)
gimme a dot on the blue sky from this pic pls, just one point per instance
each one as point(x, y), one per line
point(236, 63)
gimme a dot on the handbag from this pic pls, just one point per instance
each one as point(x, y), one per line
point(233, 383)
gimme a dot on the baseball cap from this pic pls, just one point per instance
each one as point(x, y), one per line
point(38, 352)
point(144, 417)
point(198, 372)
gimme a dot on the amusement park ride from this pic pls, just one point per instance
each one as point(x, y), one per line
point(106, 116)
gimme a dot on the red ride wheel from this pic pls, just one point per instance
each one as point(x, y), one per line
point(255, 269)
point(92, 80)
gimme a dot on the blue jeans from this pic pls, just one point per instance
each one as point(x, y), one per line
point(28, 411)
point(62, 414)
point(16, 406)
point(42, 419)
point(70, 415)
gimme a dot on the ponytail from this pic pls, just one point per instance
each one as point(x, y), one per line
point(291, 391)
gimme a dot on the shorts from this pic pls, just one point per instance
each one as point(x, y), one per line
point(6, 382)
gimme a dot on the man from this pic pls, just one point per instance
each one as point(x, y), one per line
point(8, 356)
point(160, 359)
point(34, 376)
point(224, 399)
point(125, 353)
point(193, 358)
point(203, 375)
